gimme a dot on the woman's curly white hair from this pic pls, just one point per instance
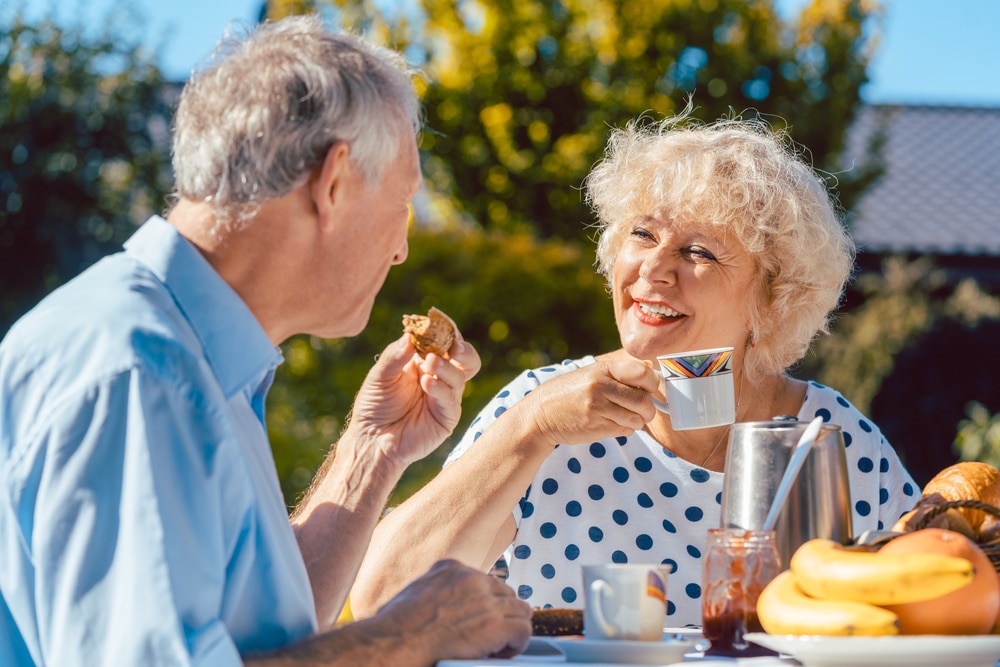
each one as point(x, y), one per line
point(744, 177)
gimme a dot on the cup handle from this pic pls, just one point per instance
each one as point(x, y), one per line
point(662, 406)
point(597, 589)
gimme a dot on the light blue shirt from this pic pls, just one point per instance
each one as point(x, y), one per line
point(141, 520)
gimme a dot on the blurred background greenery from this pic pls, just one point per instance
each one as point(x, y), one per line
point(519, 96)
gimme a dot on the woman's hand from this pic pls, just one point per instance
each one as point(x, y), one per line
point(605, 399)
point(416, 402)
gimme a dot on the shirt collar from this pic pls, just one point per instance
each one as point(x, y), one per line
point(236, 346)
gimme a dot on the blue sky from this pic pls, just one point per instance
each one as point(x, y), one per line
point(932, 51)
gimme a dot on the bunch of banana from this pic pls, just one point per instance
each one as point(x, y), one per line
point(831, 590)
point(783, 609)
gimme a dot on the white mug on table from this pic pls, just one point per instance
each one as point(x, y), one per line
point(624, 601)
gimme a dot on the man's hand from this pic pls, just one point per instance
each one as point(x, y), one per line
point(452, 612)
point(460, 613)
point(405, 409)
point(415, 401)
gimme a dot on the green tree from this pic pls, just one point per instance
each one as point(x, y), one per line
point(520, 93)
point(978, 437)
point(83, 155)
point(279, 9)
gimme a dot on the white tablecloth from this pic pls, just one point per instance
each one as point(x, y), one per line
point(534, 660)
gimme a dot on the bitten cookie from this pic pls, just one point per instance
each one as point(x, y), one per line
point(434, 332)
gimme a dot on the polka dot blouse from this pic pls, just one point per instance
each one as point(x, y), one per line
point(628, 500)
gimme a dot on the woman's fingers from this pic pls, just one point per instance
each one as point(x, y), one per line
point(601, 400)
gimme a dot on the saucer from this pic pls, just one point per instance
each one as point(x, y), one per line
point(623, 651)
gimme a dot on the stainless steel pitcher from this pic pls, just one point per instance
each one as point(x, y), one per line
point(819, 504)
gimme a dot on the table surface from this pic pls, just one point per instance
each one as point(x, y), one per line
point(928, 650)
point(539, 652)
point(694, 661)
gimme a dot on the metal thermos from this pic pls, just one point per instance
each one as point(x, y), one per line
point(819, 504)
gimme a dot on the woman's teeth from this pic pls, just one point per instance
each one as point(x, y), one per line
point(657, 310)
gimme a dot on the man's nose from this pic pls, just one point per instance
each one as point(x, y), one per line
point(401, 256)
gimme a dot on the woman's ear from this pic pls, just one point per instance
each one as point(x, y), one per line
point(328, 179)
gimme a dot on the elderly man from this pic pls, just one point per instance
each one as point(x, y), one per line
point(141, 521)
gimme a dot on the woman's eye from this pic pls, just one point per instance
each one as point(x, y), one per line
point(641, 233)
point(699, 253)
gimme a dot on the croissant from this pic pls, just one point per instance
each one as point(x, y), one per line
point(968, 481)
point(971, 480)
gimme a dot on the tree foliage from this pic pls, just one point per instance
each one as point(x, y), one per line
point(978, 437)
point(520, 94)
point(82, 158)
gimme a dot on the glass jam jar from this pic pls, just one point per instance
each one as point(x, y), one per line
point(737, 565)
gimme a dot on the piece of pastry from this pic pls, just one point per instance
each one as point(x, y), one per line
point(434, 332)
point(971, 480)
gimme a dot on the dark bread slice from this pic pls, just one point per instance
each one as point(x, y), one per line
point(556, 622)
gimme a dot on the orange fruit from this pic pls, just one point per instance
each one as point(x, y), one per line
point(970, 610)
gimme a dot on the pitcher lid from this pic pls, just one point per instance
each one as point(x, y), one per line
point(780, 422)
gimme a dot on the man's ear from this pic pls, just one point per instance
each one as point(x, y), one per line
point(329, 179)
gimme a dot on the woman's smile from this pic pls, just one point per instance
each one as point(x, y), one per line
point(655, 314)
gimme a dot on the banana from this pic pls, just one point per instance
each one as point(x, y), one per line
point(783, 609)
point(825, 570)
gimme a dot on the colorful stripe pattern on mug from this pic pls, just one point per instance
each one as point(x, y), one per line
point(698, 365)
point(656, 587)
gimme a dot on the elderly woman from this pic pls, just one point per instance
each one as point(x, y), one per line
point(710, 236)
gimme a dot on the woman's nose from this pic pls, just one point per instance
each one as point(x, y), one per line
point(658, 266)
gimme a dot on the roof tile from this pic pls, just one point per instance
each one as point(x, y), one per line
point(940, 192)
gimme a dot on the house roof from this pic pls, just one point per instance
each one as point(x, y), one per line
point(940, 192)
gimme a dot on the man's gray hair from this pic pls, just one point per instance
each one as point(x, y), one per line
point(252, 125)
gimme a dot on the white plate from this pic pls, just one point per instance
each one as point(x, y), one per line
point(909, 651)
point(623, 652)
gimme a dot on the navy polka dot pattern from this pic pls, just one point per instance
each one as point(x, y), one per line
point(627, 500)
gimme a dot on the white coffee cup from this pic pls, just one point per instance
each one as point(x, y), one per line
point(699, 388)
point(625, 601)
